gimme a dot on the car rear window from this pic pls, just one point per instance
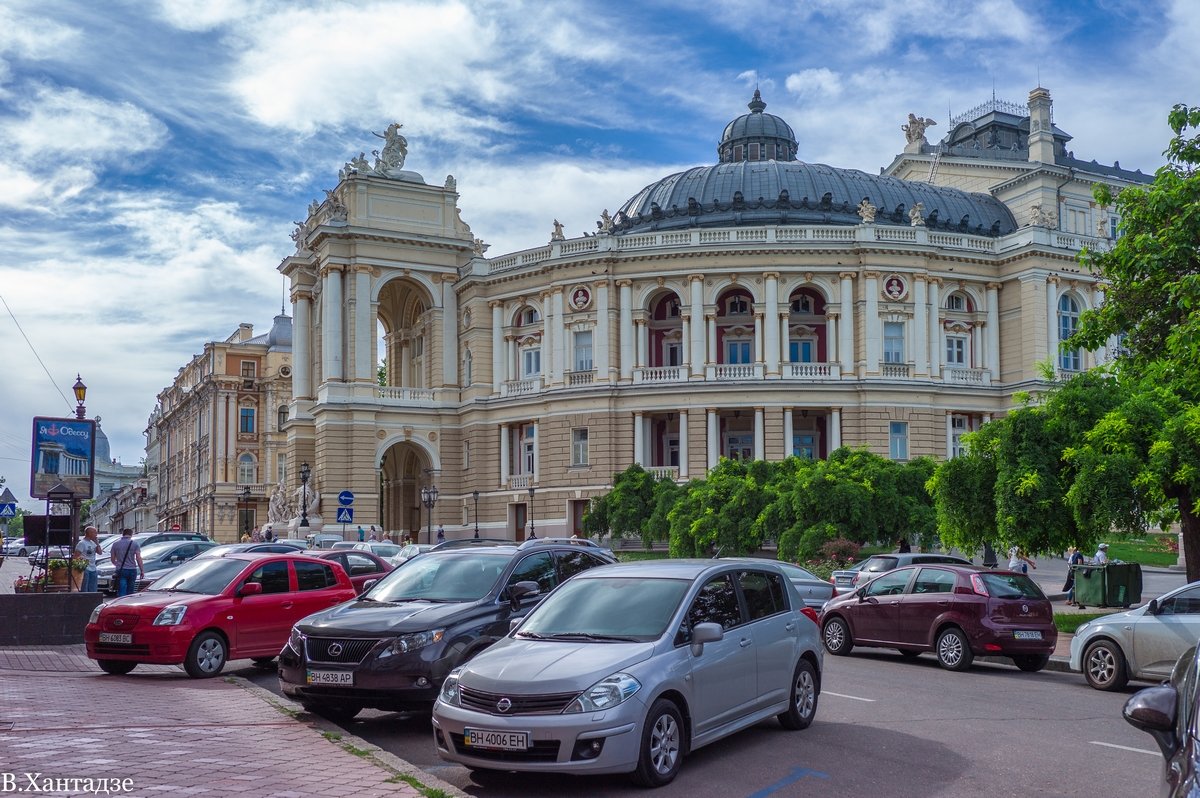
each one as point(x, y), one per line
point(879, 564)
point(1011, 586)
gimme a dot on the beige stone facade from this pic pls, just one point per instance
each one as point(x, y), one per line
point(519, 384)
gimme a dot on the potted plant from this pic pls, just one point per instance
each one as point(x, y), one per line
point(57, 568)
point(35, 585)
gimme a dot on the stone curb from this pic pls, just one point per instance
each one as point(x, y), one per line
point(384, 759)
point(1056, 664)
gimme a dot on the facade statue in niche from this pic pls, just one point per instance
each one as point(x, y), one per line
point(914, 131)
point(451, 183)
point(1039, 217)
point(916, 215)
point(395, 149)
point(605, 224)
point(557, 235)
point(867, 211)
point(1101, 226)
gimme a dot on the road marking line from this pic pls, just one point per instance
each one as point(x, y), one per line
point(1126, 748)
point(851, 697)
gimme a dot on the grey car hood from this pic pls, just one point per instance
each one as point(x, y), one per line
point(526, 667)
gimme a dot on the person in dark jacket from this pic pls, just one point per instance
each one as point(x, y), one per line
point(904, 547)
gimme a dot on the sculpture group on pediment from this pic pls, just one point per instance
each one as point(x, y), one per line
point(1040, 217)
point(557, 235)
point(914, 131)
point(395, 149)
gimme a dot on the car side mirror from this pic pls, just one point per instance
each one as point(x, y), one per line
point(367, 585)
point(250, 589)
point(861, 593)
point(1152, 607)
point(513, 624)
point(1153, 711)
point(519, 590)
point(705, 633)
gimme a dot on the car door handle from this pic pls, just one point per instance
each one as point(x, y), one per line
point(287, 605)
point(944, 603)
point(745, 641)
point(789, 627)
point(895, 603)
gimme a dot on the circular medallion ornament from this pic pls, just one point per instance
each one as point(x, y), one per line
point(581, 297)
point(895, 287)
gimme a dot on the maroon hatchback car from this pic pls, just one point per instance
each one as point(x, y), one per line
point(957, 612)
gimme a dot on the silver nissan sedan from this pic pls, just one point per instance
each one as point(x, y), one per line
point(627, 668)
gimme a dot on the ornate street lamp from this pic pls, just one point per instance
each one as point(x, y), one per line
point(305, 473)
point(245, 510)
point(80, 394)
point(475, 496)
point(429, 497)
point(532, 534)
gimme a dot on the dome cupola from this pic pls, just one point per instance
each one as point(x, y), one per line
point(757, 136)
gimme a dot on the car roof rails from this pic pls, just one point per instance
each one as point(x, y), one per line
point(576, 541)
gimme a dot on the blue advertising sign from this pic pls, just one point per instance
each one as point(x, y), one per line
point(345, 498)
point(64, 450)
point(345, 515)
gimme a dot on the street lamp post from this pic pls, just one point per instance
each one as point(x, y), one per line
point(80, 394)
point(532, 534)
point(475, 496)
point(245, 511)
point(305, 473)
point(429, 497)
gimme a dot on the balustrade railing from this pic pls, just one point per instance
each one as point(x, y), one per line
point(660, 374)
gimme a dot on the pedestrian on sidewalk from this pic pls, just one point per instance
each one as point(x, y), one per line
point(904, 547)
point(1074, 557)
point(86, 549)
point(441, 535)
point(990, 560)
point(1017, 561)
point(127, 556)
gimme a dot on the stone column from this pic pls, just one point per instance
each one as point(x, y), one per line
point(331, 323)
point(713, 437)
point(639, 442)
point(557, 300)
point(993, 330)
point(784, 338)
point(698, 353)
point(685, 341)
point(710, 320)
point(1052, 319)
point(302, 344)
point(935, 328)
point(449, 331)
point(771, 313)
point(683, 442)
point(831, 336)
point(362, 324)
point(626, 334)
point(642, 344)
point(601, 350)
point(548, 340)
point(505, 456)
point(920, 335)
point(514, 365)
point(835, 428)
point(758, 338)
point(788, 431)
point(406, 380)
point(976, 358)
point(871, 324)
point(498, 346)
point(846, 344)
point(537, 445)
point(949, 434)
point(759, 443)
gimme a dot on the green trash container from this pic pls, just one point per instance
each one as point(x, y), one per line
point(1123, 584)
point(1089, 585)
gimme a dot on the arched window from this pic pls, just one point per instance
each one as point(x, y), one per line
point(283, 416)
point(737, 306)
point(1068, 323)
point(247, 471)
point(956, 302)
point(802, 304)
point(529, 316)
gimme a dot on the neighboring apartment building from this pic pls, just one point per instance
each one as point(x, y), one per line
point(756, 308)
point(215, 440)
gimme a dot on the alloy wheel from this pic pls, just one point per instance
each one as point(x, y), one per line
point(210, 656)
point(950, 649)
point(806, 694)
point(664, 744)
point(1101, 665)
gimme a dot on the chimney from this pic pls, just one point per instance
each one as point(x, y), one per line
point(1041, 134)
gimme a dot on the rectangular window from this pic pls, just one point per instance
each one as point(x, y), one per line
point(801, 351)
point(898, 440)
point(737, 352)
point(673, 355)
point(466, 455)
point(754, 151)
point(281, 468)
point(893, 342)
point(583, 350)
point(673, 452)
point(579, 446)
point(956, 350)
point(531, 362)
point(804, 445)
point(249, 369)
point(958, 427)
point(528, 446)
point(246, 419)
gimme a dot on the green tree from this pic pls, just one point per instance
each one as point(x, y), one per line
point(717, 515)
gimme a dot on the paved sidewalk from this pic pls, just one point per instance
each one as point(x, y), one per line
point(171, 735)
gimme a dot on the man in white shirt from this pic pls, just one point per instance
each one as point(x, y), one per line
point(1101, 554)
point(86, 549)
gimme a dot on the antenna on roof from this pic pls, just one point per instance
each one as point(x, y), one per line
point(282, 295)
point(993, 88)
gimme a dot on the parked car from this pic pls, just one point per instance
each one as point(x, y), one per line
point(847, 579)
point(408, 552)
point(713, 648)
point(214, 609)
point(343, 544)
point(38, 556)
point(812, 589)
point(574, 541)
point(322, 541)
point(15, 547)
point(1168, 713)
point(157, 559)
point(955, 611)
point(392, 648)
point(468, 543)
point(146, 538)
point(277, 546)
point(1142, 643)
point(379, 548)
point(362, 566)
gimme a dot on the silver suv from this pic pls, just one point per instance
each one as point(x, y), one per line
point(627, 668)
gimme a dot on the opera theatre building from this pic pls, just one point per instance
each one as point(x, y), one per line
point(758, 307)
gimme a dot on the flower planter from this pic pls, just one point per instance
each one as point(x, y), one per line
point(59, 576)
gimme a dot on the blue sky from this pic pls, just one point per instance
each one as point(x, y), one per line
point(154, 155)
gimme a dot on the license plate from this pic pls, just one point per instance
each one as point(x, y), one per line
point(338, 678)
point(1027, 635)
point(496, 740)
point(113, 637)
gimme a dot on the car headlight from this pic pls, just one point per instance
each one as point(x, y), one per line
point(605, 694)
point(449, 694)
point(95, 616)
point(1082, 627)
point(296, 640)
point(171, 616)
point(406, 643)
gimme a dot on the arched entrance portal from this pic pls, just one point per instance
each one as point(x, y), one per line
point(404, 470)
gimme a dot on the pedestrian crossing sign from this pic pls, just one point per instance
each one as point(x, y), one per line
point(345, 515)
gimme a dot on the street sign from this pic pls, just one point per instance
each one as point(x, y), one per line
point(345, 498)
point(345, 515)
point(8, 511)
point(176, 527)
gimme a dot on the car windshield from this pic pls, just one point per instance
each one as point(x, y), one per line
point(385, 550)
point(208, 576)
point(879, 564)
point(468, 576)
point(1011, 586)
point(599, 609)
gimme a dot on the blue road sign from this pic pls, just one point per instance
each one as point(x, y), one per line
point(345, 515)
point(345, 498)
point(8, 511)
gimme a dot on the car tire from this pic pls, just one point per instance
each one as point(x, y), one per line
point(802, 707)
point(263, 662)
point(662, 745)
point(1104, 666)
point(116, 667)
point(953, 650)
point(23, 553)
point(206, 656)
point(835, 634)
point(909, 653)
point(1032, 663)
point(338, 713)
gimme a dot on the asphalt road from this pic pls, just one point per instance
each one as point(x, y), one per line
point(884, 726)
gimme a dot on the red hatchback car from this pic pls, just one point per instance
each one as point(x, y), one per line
point(208, 611)
point(957, 612)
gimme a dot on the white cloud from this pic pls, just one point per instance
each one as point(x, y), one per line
point(67, 124)
point(814, 83)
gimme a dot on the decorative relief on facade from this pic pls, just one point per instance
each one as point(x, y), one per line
point(433, 436)
point(380, 434)
point(1039, 217)
point(895, 287)
point(581, 297)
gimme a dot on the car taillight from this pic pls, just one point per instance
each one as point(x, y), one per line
point(811, 614)
point(978, 586)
